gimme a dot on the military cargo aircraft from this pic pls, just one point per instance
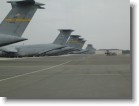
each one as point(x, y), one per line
point(15, 23)
point(88, 50)
point(39, 49)
point(73, 44)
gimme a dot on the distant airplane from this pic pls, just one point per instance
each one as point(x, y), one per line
point(74, 41)
point(77, 47)
point(88, 50)
point(15, 23)
point(81, 43)
point(73, 44)
point(39, 49)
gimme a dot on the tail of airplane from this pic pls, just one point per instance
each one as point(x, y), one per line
point(63, 36)
point(73, 41)
point(89, 47)
point(19, 17)
point(81, 42)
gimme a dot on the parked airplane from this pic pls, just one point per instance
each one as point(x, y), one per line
point(73, 44)
point(81, 43)
point(88, 50)
point(78, 46)
point(91, 49)
point(40, 49)
point(15, 23)
point(73, 41)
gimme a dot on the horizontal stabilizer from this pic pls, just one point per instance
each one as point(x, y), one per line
point(9, 49)
point(8, 39)
point(26, 2)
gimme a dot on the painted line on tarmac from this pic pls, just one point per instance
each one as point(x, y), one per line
point(2, 59)
point(35, 71)
point(8, 58)
point(100, 74)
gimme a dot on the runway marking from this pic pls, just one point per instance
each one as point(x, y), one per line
point(19, 58)
point(7, 58)
point(100, 74)
point(34, 71)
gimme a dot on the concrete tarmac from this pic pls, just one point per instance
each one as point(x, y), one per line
point(66, 77)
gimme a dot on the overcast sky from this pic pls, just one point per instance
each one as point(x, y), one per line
point(103, 23)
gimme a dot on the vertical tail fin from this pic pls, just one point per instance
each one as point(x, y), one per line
point(73, 41)
point(63, 36)
point(90, 49)
point(19, 17)
point(81, 42)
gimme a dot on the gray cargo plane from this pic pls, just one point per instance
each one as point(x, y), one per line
point(73, 41)
point(15, 23)
point(73, 44)
point(80, 46)
point(80, 43)
point(39, 49)
point(88, 50)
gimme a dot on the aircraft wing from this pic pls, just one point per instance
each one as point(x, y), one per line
point(61, 51)
point(52, 47)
